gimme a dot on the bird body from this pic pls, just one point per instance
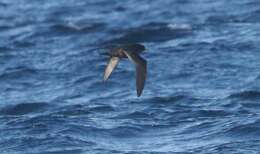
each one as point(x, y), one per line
point(120, 51)
point(130, 51)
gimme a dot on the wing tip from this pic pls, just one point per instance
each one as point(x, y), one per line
point(105, 76)
point(139, 94)
point(104, 79)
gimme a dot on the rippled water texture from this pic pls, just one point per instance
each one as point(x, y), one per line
point(202, 93)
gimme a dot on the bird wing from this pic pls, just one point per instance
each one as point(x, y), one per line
point(113, 61)
point(141, 70)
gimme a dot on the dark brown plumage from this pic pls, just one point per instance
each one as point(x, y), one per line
point(131, 52)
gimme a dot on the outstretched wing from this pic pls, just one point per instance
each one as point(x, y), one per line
point(141, 70)
point(110, 67)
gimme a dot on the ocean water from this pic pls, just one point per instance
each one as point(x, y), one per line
point(202, 93)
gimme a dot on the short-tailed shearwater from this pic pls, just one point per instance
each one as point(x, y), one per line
point(130, 51)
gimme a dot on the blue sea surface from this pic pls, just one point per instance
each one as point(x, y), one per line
point(202, 93)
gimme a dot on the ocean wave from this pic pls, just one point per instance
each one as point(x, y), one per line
point(245, 131)
point(224, 19)
point(246, 95)
point(166, 99)
point(153, 32)
point(229, 147)
point(23, 108)
point(133, 115)
point(78, 28)
point(17, 72)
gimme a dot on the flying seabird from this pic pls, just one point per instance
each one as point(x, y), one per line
point(130, 51)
